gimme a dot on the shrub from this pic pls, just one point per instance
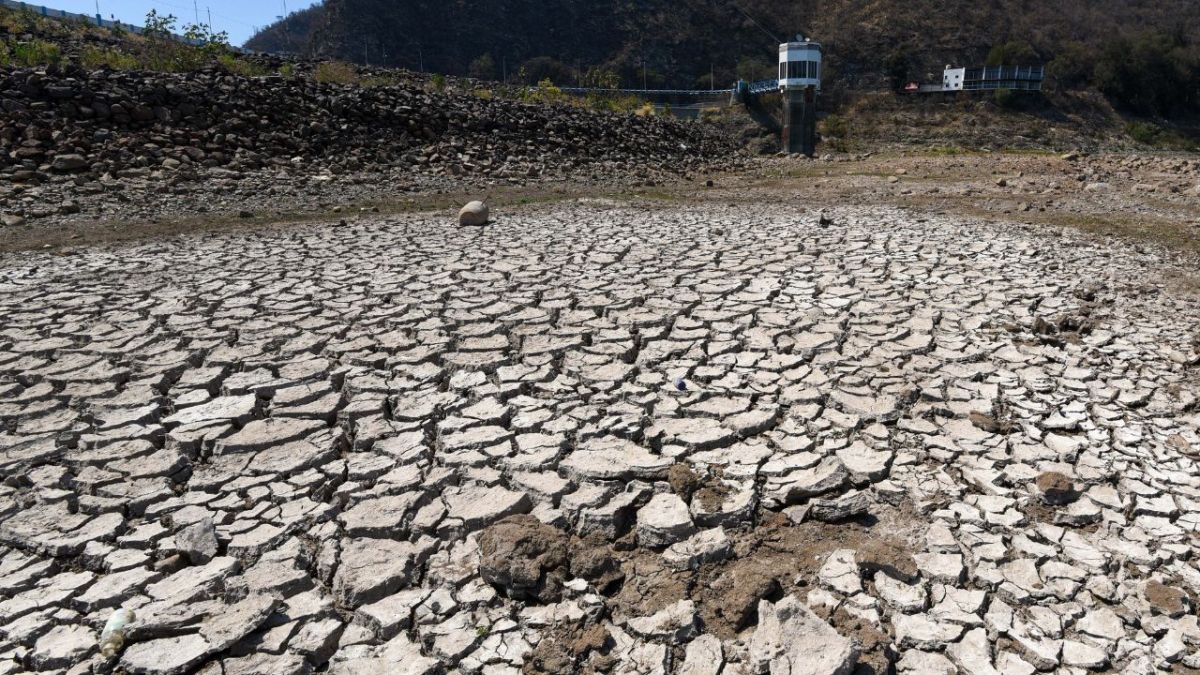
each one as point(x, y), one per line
point(241, 67)
point(545, 92)
point(835, 126)
point(287, 70)
point(336, 72)
point(35, 53)
point(1006, 99)
point(1144, 132)
point(438, 81)
point(163, 52)
point(385, 80)
point(613, 104)
point(95, 57)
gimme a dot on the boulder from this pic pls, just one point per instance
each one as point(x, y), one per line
point(473, 214)
point(69, 163)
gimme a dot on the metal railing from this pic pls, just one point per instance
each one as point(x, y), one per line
point(648, 92)
point(762, 87)
point(93, 19)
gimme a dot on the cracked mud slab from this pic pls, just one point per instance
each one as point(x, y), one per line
point(590, 438)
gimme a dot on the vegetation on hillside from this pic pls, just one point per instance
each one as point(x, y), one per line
point(869, 46)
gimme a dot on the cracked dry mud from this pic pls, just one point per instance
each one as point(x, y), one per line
point(692, 439)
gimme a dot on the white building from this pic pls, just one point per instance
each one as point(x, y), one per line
point(952, 79)
point(799, 65)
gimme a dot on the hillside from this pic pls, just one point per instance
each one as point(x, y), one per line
point(686, 44)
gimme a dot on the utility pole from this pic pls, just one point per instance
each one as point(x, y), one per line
point(711, 77)
point(644, 72)
point(196, 12)
point(209, 10)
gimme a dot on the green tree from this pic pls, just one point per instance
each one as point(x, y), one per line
point(896, 67)
point(213, 44)
point(1072, 67)
point(545, 68)
point(751, 68)
point(1153, 74)
point(158, 27)
point(601, 78)
point(483, 68)
point(1012, 53)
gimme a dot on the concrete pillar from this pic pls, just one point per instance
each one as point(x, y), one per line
point(800, 120)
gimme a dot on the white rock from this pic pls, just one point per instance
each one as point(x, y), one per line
point(663, 521)
point(699, 549)
point(840, 572)
point(791, 640)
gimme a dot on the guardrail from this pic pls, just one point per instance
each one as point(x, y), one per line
point(648, 92)
point(93, 19)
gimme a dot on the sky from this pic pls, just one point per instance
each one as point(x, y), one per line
point(237, 17)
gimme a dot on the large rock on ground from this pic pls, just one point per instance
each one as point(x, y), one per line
point(791, 640)
point(525, 558)
point(473, 214)
point(663, 521)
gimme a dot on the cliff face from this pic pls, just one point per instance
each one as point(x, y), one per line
point(684, 43)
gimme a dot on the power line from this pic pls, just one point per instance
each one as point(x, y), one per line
point(757, 24)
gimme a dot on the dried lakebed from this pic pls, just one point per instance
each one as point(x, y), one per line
point(592, 438)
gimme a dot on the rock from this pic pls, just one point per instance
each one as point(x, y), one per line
point(69, 163)
point(234, 622)
point(198, 541)
point(903, 596)
point(165, 656)
point(883, 408)
point(921, 632)
point(702, 548)
point(840, 572)
point(676, 623)
point(478, 506)
point(525, 558)
point(62, 647)
point(1166, 600)
point(372, 569)
point(1056, 488)
point(664, 520)
point(473, 214)
point(842, 507)
point(704, 656)
point(791, 640)
point(12, 220)
point(612, 459)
